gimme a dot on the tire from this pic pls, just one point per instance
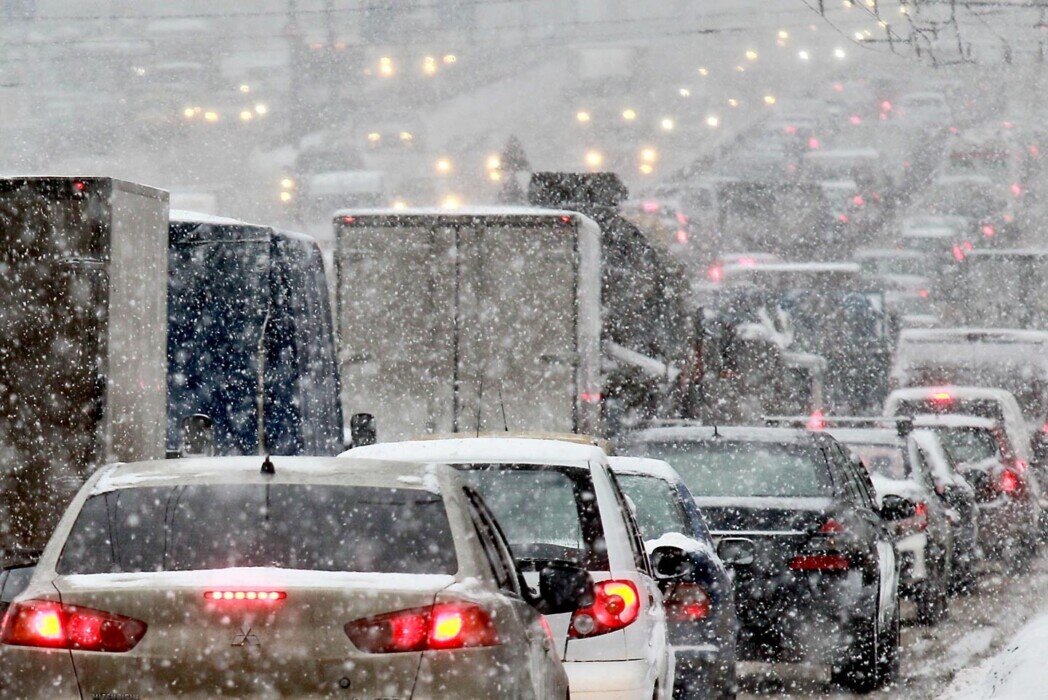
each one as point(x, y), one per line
point(889, 660)
point(857, 669)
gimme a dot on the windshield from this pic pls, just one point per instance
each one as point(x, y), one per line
point(885, 460)
point(969, 445)
point(740, 469)
point(289, 526)
point(658, 505)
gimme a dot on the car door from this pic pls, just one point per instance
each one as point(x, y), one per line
point(862, 489)
point(545, 674)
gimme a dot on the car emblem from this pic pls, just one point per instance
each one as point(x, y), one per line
point(245, 638)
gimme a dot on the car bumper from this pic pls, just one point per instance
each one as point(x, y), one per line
point(610, 680)
point(703, 671)
point(1005, 523)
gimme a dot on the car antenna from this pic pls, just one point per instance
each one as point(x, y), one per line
point(480, 401)
point(715, 433)
point(268, 468)
point(505, 423)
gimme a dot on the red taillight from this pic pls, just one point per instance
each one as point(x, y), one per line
point(715, 273)
point(843, 218)
point(920, 517)
point(79, 185)
point(1016, 189)
point(855, 119)
point(816, 421)
point(265, 596)
point(747, 262)
point(349, 220)
point(591, 397)
point(616, 604)
point(440, 626)
point(988, 230)
point(820, 562)
point(922, 293)
point(813, 144)
point(858, 201)
point(886, 106)
point(942, 397)
point(682, 236)
point(1008, 482)
point(831, 527)
point(688, 602)
point(46, 623)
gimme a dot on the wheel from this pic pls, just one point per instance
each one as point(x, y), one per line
point(932, 600)
point(889, 661)
point(857, 669)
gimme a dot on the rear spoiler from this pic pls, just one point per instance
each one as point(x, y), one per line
point(903, 424)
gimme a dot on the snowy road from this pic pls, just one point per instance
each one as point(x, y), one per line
point(978, 625)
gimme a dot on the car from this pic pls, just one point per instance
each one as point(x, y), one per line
point(700, 607)
point(997, 404)
point(816, 574)
point(1006, 491)
point(557, 500)
point(238, 576)
point(927, 551)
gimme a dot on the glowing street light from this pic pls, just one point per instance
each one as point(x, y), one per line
point(211, 116)
point(582, 117)
point(704, 72)
point(494, 162)
point(839, 53)
point(261, 109)
point(449, 59)
point(429, 65)
point(646, 168)
point(594, 158)
point(246, 115)
point(374, 137)
point(783, 34)
point(649, 155)
point(385, 67)
point(732, 102)
point(667, 124)
point(452, 201)
point(769, 99)
point(629, 114)
point(245, 88)
point(443, 166)
point(751, 55)
point(803, 55)
point(713, 121)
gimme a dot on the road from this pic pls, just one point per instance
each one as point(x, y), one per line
point(978, 625)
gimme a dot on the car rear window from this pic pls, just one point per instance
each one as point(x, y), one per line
point(290, 526)
point(545, 512)
point(969, 445)
point(885, 460)
point(726, 468)
point(983, 408)
point(658, 510)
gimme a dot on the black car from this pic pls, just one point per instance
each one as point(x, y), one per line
point(816, 574)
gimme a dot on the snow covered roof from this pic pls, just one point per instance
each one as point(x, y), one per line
point(482, 450)
point(866, 436)
point(973, 335)
point(957, 392)
point(952, 420)
point(338, 182)
point(703, 433)
point(843, 153)
point(929, 232)
point(846, 267)
point(644, 466)
point(195, 217)
point(1008, 252)
point(245, 470)
point(882, 253)
point(460, 213)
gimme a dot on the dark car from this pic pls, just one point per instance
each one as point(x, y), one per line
point(816, 574)
point(700, 608)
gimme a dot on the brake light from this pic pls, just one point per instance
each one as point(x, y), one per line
point(922, 293)
point(858, 201)
point(715, 273)
point(831, 527)
point(46, 623)
point(843, 218)
point(591, 397)
point(439, 626)
point(942, 397)
point(820, 562)
point(246, 595)
point(682, 236)
point(813, 144)
point(616, 604)
point(1016, 189)
point(1008, 482)
point(747, 262)
point(920, 517)
point(816, 421)
point(958, 253)
point(855, 119)
point(988, 230)
point(688, 602)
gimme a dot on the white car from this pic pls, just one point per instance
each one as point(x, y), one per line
point(556, 501)
point(291, 577)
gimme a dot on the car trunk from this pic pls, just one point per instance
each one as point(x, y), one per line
point(297, 646)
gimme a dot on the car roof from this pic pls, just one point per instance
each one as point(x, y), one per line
point(1009, 252)
point(645, 466)
point(708, 433)
point(248, 470)
point(483, 450)
point(985, 335)
point(182, 216)
point(962, 392)
point(952, 420)
point(866, 436)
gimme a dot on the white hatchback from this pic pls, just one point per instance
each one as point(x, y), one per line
point(306, 578)
point(558, 501)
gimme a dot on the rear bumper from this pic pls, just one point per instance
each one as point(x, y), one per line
point(610, 680)
point(703, 671)
point(1004, 524)
point(37, 673)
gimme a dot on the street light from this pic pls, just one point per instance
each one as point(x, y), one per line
point(582, 117)
point(594, 158)
point(803, 55)
point(667, 124)
point(443, 166)
point(839, 53)
point(713, 121)
point(629, 114)
point(751, 55)
point(649, 155)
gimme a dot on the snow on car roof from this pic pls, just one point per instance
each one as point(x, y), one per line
point(166, 472)
point(704, 433)
point(847, 267)
point(841, 153)
point(866, 436)
point(929, 232)
point(957, 392)
point(195, 217)
point(952, 420)
point(1008, 252)
point(878, 253)
point(973, 335)
point(460, 213)
point(644, 466)
point(482, 450)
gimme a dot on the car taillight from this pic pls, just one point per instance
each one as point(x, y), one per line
point(688, 602)
point(439, 626)
point(264, 596)
point(715, 273)
point(920, 517)
point(831, 527)
point(616, 604)
point(816, 421)
point(46, 623)
point(1008, 482)
point(820, 562)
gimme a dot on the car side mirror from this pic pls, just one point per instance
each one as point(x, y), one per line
point(563, 587)
point(894, 508)
point(198, 436)
point(737, 551)
point(670, 563)
point(362, 430)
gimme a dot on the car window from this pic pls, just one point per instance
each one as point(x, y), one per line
point(546, 512)
point(658, 507)
point(885, 460)
point(969, 445)
point(640, 555)
point(290, 526)
point(739, 468)
point(498, 557)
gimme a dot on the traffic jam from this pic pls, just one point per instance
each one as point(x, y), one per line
point(514, 349)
